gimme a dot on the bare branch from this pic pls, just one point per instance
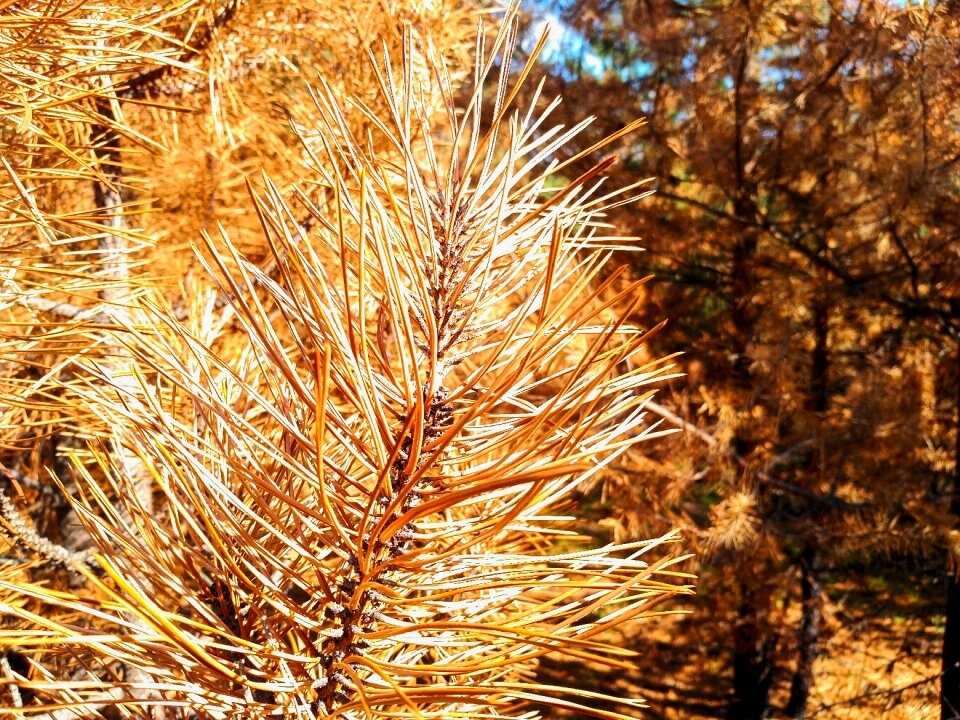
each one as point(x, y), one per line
point(24, 533)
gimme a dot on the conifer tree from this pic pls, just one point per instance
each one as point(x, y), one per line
point(334, 481)
point(804, 239)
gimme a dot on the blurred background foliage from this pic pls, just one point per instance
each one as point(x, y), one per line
point(805, 242)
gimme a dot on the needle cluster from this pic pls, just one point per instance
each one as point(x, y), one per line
point(361, 464)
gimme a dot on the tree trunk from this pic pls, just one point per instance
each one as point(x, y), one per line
point(752, 656)
point(950, 680)
point(753, 639)
point(809, 632)
point(818, 401)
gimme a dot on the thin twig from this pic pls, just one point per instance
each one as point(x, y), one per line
point(24, 532)
point(141, 85)
point(713, 442)
point(7, 671)
point(65, 310)
point(689, 427)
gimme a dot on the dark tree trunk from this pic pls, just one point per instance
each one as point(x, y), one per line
point(950, 683)
point(818, 400)
point(950, 680)
point(753, 639)
point(752, 657)
point(809, 632)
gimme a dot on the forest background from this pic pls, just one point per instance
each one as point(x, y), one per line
point(804, 239)
point(804, 243)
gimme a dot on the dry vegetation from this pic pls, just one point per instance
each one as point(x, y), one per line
point(323, 465)
point(326, 360)
point(804, 237)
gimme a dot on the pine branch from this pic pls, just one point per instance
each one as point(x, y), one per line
point(64, 310)
point(142, 85)
point(23, 533)
point(360, 479)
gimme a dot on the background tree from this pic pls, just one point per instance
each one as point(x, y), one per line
point(804, 236)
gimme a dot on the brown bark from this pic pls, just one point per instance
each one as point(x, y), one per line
point(753, 640)
point(818, 400)
point(754, 644)
point(112, 246)
point(809, 632)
